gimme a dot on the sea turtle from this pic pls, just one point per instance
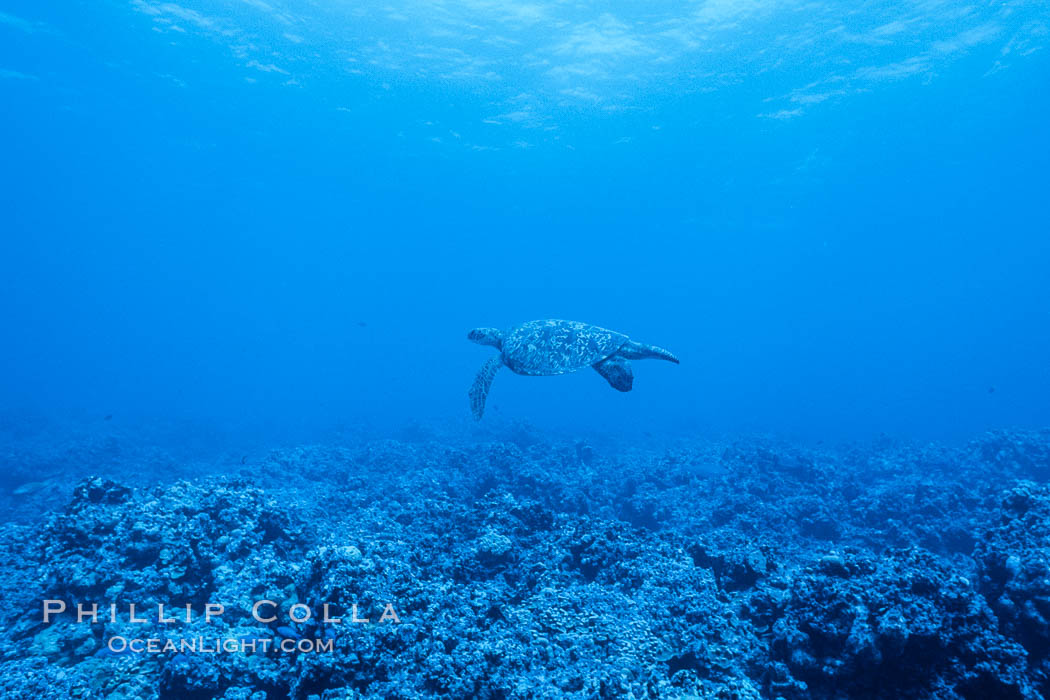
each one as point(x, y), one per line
point(544, 348)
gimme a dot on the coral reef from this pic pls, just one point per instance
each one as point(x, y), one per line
point(525, 567)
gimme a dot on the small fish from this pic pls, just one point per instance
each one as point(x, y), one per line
point(244, 459)
point(109, 416)
point(29, 487)
point(991, 390)
point(362, 324)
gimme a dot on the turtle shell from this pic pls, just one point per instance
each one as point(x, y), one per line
point(556, 347)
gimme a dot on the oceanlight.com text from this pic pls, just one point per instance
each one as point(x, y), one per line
point(229, 645)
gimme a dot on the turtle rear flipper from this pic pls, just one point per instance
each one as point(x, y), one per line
point(479, 391)
point(640, 351)
point(617, 371)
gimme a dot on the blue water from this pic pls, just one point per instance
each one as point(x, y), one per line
point(242, 244)
point(283, 217)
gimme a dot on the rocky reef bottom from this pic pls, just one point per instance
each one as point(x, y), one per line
point(530, 567)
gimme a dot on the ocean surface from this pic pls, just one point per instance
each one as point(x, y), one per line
point(243, 245)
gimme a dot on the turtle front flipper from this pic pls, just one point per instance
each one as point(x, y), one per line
point(617, 371)
point(480, 389)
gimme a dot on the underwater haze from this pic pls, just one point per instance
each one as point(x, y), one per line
point(261, 259)
point(284, 216)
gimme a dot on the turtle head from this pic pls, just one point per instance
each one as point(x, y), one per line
point(487, 336)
